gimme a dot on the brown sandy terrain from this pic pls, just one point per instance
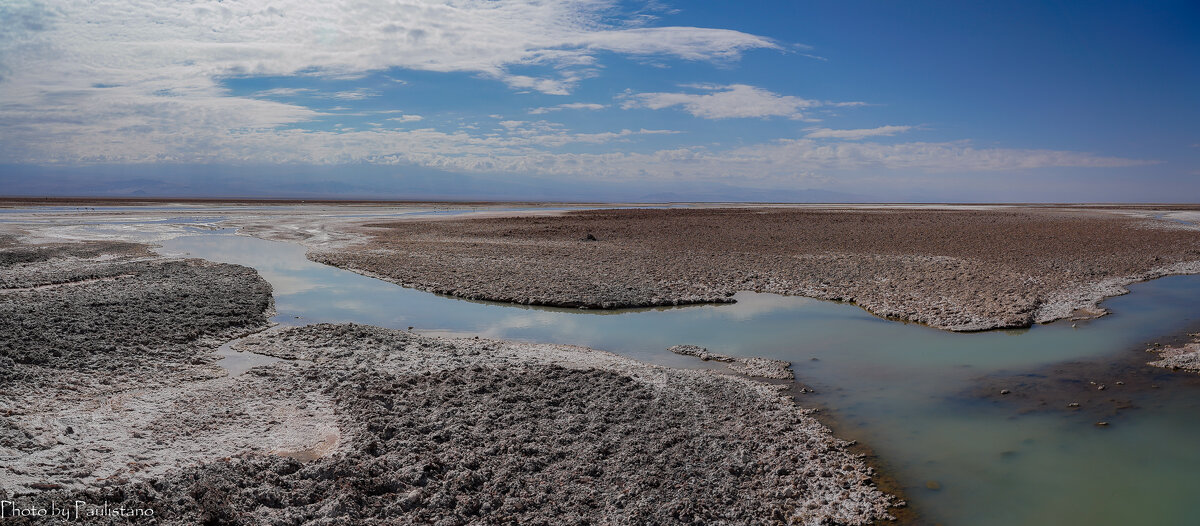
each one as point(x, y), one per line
point(952, 269)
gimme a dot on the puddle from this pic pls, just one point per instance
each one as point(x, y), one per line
point(238, 362)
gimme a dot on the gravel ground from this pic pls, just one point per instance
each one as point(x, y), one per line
point(951, 269)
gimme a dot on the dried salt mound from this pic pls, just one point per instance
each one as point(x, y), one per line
point(941, 268)
point(1186, 357)
point(753, 366)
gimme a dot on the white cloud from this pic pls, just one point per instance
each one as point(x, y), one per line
point(126, 81)
point(853, 135)
point(690, 43)
point(355, 94)
point(851, 104)
point(955, 156)
point(129, 38)
point(724, 102)
point(568, 106)
point(787, 160)
point(510, 124)
point(526, 147)
point(284, 92)
point(545, 134)
point(124, 72)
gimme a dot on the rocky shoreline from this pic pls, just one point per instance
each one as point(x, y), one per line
point(960, 270)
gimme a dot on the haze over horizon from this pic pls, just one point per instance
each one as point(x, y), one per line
point(602, 100)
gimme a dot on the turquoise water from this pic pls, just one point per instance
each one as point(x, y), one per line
point(897, 387)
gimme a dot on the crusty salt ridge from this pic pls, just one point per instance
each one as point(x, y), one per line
point(578, 434)
point(362, 423)
point(1186, 356)
point(487, 431)
point(953, 269)
point(752, 366)
point(107, 370)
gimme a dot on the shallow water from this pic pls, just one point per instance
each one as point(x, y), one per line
point(898, 387)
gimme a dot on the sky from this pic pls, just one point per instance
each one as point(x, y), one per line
point(589, 100)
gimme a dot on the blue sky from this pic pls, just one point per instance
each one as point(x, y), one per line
point(876, 101)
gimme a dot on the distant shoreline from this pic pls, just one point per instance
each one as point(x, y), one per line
point(17, 201)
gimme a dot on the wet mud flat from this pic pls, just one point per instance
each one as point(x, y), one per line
point(1100, 390)
point(960, 270)
point(110, 393)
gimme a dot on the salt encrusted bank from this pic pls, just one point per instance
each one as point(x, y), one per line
point(111, 396)
point(1186, 356)
point(749, 366)
point(954, 269)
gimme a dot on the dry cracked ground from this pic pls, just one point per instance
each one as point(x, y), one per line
point(959, 270)
point(110, 393)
